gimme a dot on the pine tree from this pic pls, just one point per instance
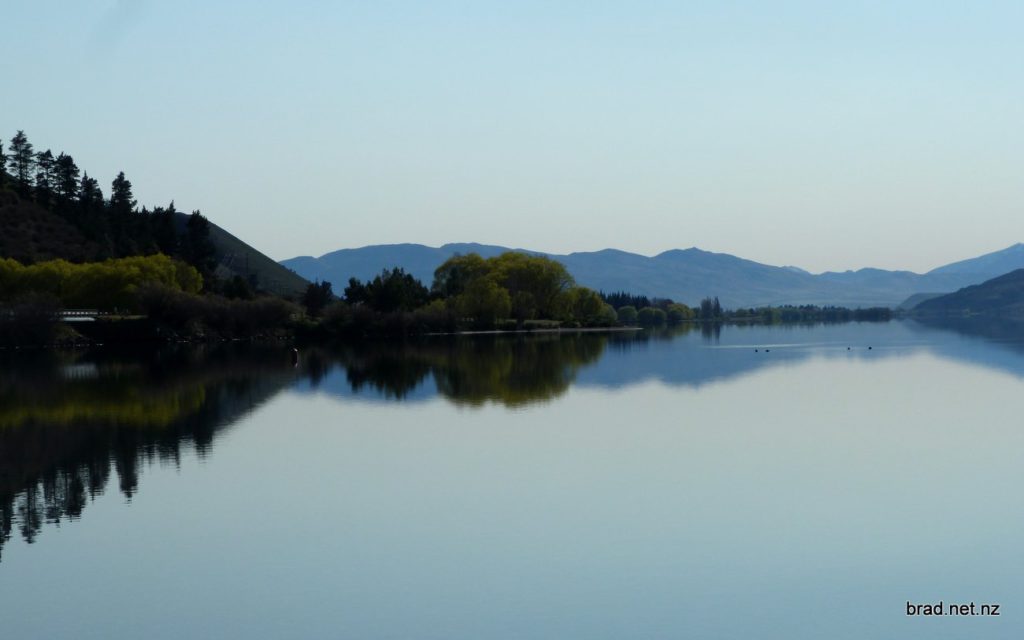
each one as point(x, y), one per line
point(121, 200)
point(197, 249)
point(3, 166)
point(67, 182)
point(44, 178)
point(21, 161)
point(90, 196)
point(165, 232)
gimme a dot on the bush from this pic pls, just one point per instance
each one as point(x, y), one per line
point(193, 314)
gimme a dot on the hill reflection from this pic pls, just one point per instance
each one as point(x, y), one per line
point(68, 423)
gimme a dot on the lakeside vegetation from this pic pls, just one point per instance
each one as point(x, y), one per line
point(151, 275)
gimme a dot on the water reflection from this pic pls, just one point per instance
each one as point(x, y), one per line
point(69, 423)
point(510, 370)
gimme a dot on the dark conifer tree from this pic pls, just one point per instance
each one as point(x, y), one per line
point(196, 246)
point(165, 233)
point(21, 161)
point(122, 204)
point(122, 201)
point(44, 178)
point(3, 166)
point(90, 196)
point(66, 185)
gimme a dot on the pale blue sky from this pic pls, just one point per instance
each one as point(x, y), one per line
point(830, 137)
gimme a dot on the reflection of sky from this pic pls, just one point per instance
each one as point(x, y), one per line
point(693, 360)
point(808, 500)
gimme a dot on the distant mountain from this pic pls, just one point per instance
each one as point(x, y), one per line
point(990, 264)
point(1003, 296)
point(687, 275)
point(366, 262)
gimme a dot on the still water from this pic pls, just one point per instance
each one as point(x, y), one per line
point(758, 482)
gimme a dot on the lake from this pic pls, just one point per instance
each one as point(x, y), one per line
point(734, 482)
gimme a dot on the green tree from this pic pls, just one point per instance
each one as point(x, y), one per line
point(545, 279)
point(585, 306)
point(355, 292)
point(395, 290)
point(452, 277)
point(678, 314)
point(607, 317)
point(21, 162)
point(651, 317)
point(483, 302)
point(524, 306)
point(627, 315)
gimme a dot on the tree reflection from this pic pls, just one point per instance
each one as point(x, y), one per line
point(512, 370)
point(68, 422)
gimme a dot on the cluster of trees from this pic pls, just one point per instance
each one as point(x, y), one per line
point(518, 286)
point(506, 291)
point(108, 285)
point(810, 313)
point(186, 314)
point(659, 312)
point(115, 225)
point(164, 290)
point(670, 314)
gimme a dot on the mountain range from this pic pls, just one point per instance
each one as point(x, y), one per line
point(685, 275)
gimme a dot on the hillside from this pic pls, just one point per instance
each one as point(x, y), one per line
point(917, 299)
point(686, 275)
point(235, 257)
point(1002, 296)
point(29, 233)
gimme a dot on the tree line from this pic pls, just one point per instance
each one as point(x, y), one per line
point(114, 225)
point(509, 291)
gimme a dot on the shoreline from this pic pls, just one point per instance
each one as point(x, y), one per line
point(486, 332)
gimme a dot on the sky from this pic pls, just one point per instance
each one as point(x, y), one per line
point(829, 136)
